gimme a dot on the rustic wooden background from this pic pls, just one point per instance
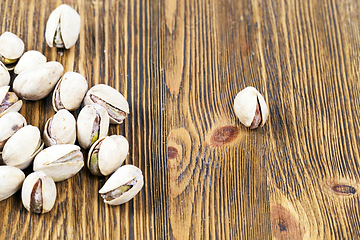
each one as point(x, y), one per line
point(180, 63)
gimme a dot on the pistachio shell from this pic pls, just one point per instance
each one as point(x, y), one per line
point(11, 46)
point(70, 25)
point(121, 177)
point(48, 191)
point(69, 92)
point(22, 147)
point(59, 162)
point(5, 107)
point(112, 152)
point(36, 83)
point(11, 179)
point(110, 96)
point(9, 124)
point(30, 59)
point(245, 106)
point(85, 124)
point(4, 75)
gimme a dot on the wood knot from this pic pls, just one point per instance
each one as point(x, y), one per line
point(284, 225)
point(172, 152)
point(339, 188)
point(224, 135)
point(344, 189)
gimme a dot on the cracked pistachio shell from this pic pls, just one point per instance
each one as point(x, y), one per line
point(110, 99)
point(36, 83)
point(122, 176)
point(70, 23)
point(69, 92)
point(9, 124)
point(88, 127)
point(111, 153)
point(47, 190)
point(9, 102)
point(11, 179)
point(22, 147)
point(60, 129)
point(59, 162)
point(4, 75)
point(245, 106)
point(11, 48)
point(29, 59)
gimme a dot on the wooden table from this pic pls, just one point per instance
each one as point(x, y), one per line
point(180, 64)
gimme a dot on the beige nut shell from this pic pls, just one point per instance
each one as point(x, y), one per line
point(245, 106)
point(63, 129)
point(13, 108)
point(48, 190)
point(9, 124)
point(4, 75)
point(73, 87)
point(70, 25)
point(29, 59)
point(11, 46)
point(11, 179)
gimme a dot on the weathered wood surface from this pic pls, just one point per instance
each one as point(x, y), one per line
point(180, 64)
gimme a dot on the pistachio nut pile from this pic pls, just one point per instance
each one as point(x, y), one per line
point(53, 153)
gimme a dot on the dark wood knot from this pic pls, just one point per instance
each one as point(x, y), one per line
point(224, 135)
point(172, 152)
point(284, 224)
point(343, 189)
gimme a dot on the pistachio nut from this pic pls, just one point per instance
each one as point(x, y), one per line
point(250, 107)
point(4, 75)
point(38, 192)
point(123, 185)
point(92, 124)
point(111, 99)
point(60, 129)
point(9, 124)
point(36, 83)
point(107, 154)
point(11, 179)
point(69, 92)
point(22, 147)
point(9, 102)
point(63, 27)
point(29, 59)
point(59, 162)
point(11, 49)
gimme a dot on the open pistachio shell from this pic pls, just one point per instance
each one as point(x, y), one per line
point(9, 102)
point(92, 124)
point(107, 154)
point(22, 147)
point(123, 185)
point(60, 162)
point(63, 27)
point(29, 59)
point(38, 192)
point(9, 124)
point(60, 129)
point(4, 75)
point(11, 49)
point(111, 99)
point(11, 179)
point(250, 107)
point(36, 83)
point(69, 92)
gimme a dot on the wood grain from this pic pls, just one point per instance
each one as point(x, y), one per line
point(180, 63)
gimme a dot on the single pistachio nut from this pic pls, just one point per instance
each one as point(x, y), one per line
point(63, 27)
point(123, 185)
point(107, 154)
point(59, 162)
point(11, 49)
point(36, 83)
point(22, 147)
point(112, 100)
point(250, 107)
point(4, 75)
point(9, 102)
point(9, 124)
point(69, 92)
point(60, 129)
point(38, 192)
point(29, 59)
point(11, 179)
point(92, 124)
